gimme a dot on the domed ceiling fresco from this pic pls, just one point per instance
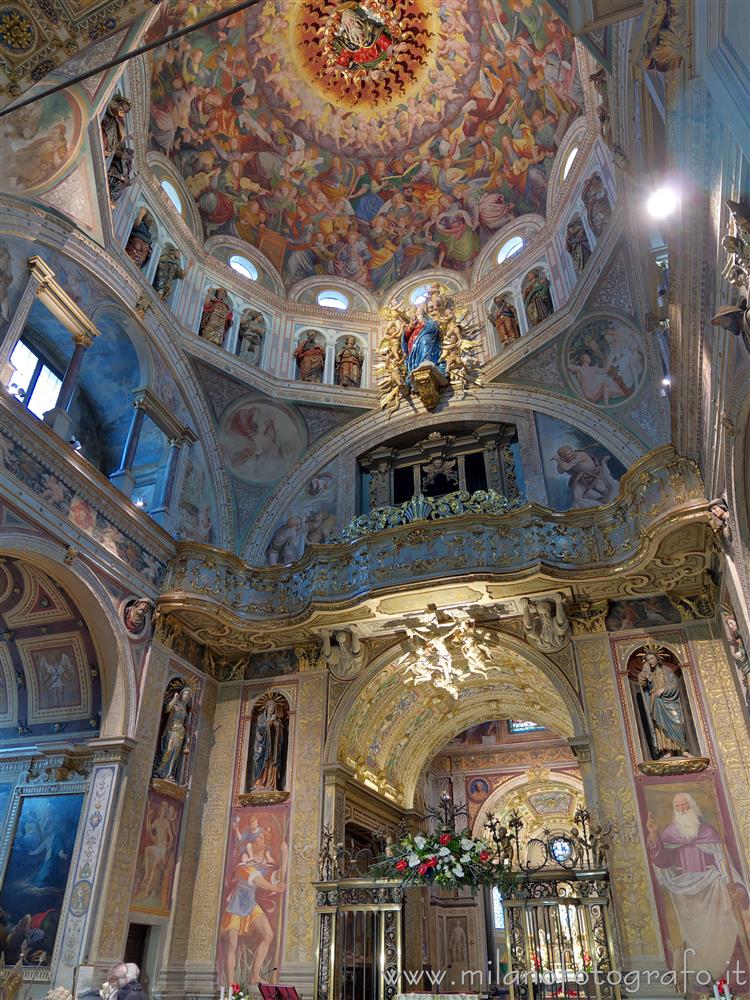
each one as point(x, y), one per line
point(366, 140)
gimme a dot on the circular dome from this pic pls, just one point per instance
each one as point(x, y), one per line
point(372, 141)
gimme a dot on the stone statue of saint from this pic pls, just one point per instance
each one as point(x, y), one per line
point(666, 711)
point(349, 361)
point(268, 752)
point(136, 613)
point(251, 331)
point(119, 173)
point(505, 320)
point(113, 123)
point(217, 316)
point(140, 241)
point(537, 296)
point(310, 356)
point(174, 734)
point(577, 244)
point(547, 631)
point(346, 658)
point(168, 270)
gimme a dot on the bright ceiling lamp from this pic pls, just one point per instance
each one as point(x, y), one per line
point(662, 203)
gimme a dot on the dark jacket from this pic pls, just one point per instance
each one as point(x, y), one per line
point(132, 991)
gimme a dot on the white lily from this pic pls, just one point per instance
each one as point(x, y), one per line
point(466, 844)
point(413, 860)
point(420, 842)
point(444, 852)
point(458, 871)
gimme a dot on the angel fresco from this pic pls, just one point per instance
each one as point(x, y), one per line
point(269, 118)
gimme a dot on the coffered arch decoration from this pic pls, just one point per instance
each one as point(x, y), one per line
point(66, 667)
point(386, 729)
point(495, 402)
point(545, 799)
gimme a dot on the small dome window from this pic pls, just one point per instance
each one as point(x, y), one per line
point(244, 267)
point(171, 192)
point(510, 249)
point(570, 161)
point(331, 299)
point(419, 295)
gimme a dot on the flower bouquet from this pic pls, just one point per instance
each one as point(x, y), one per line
point(450, 859)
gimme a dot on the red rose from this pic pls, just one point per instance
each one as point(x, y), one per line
point(445, 839)
point(401, 864)
point(484, 856)
point(423, 868)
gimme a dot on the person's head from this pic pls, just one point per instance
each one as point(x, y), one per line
point(565, 451)
point(118, 975)
point(133, 971)
point(686, 815)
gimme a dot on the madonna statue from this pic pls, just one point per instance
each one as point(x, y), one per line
point(420, 342)
point(174, 735)
point(266, 772)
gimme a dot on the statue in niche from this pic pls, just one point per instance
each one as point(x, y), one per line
point(349, 362)
point(269, 739)
point(113, 125)
point(505, 320)
point(217, 316)
point(119, 173)
point(140, 241)
point(251, 331)
point(537, 297)
point(598, 208)
point(168, 271)
point(577, 244)
point(174, 731)
point(662, 705)
point(547, 631)
point(310, 355)
point(346, 655)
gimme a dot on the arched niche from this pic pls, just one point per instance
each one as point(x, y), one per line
point(163, 169)
point(104, 623)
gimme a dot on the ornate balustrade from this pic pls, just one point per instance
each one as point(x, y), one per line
point(217, 595)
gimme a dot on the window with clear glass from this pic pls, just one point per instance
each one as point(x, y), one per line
point(244, 267)
point(332, 299)
point(510, 249)
point(34, 382)
point(498, 913)
point(524, 726)
point(570, 161)
point(171, 192)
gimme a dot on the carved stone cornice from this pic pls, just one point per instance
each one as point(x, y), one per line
point(220, 601)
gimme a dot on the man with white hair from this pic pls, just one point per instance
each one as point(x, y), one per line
point(695, 871)
point(131, 988)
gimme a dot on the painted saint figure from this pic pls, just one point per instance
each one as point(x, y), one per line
point(709, 896)
point(174, 735)
point(349, 361)
point(310, 357)
point(269, 748)
point(162, 832)
point(537, 296)
point(598, 208)
point(505, 320)
point(577, 244)
point(590, 481)
point(217, 316)
point(360, 39)
point(663, 698)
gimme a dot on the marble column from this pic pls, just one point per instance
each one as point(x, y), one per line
point(123, 479)
point(58, 417)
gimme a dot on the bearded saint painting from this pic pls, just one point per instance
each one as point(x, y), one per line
point(704, 896)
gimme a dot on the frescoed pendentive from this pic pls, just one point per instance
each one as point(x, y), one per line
point(605, 362)
point(367, 141)
point(260, 440)
point(39, 142)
